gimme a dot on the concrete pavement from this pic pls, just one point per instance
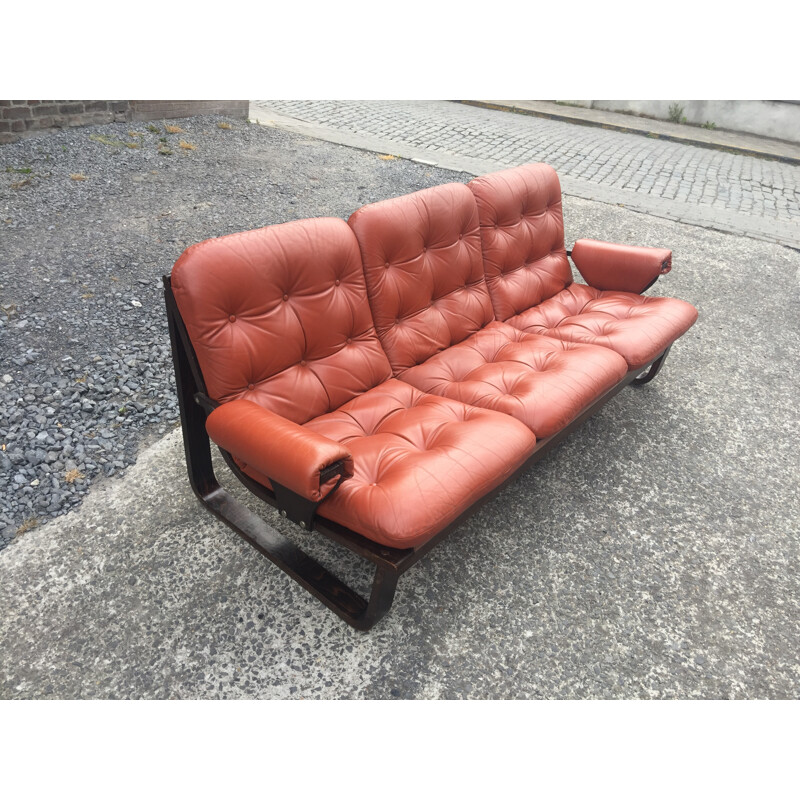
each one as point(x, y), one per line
point(654, 554)
point(722, 191)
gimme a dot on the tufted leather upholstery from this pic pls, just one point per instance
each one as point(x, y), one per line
point(425, 283)
point(620, 267)
point(636, 327)
point(522, 230)
point(530, 282)
point(542, 382)
point(424, 271)
point(280, 322)
point(279, 316)
point(420, 461)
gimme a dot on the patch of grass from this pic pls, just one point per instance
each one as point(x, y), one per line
point(675, 114)
point(87, 296)
point(20, 170)
point(20, 184)
point(132, 145)
point(110, 141)
point(28, 525)
point(709, 125)
point(163, 150)
point(73, 475)
point(135, 134)
point(226, 126)
point(77, 176)
point(153, 128)
point(173, 129)
point(186, 145)
point(387, 157)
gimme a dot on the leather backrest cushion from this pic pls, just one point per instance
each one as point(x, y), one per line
point(522, 232)
point(280, 316)
point(423, 265)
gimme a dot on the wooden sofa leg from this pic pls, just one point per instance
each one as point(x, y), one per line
point(196, 443)
point(655, 367)
point(310, 574)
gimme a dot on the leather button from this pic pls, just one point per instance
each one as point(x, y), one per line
point(232, 318)
point(251, 386)
point(386, 265)
point(302, 363)
point(349, 340)
point(424, 249)
point(460, 236)
point(286, 297)
point(336, 281)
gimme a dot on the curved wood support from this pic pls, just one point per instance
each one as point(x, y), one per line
point(655, 367)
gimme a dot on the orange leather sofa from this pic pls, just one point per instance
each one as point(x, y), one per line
point(379, 379)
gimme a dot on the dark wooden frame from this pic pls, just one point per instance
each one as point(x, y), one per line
point(390, 563)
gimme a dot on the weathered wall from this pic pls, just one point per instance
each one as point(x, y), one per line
point(779, 119)
point(20, 118)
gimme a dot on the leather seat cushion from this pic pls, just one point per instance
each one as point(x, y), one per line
point(636, 327)
point(541, 381)
point(419, 461)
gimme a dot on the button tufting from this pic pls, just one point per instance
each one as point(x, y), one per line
point(336, 281)
point(349, 340)
point(232, 318)
point(386, 265)
point(286, 297)
point(302, 363)
point(251, 386)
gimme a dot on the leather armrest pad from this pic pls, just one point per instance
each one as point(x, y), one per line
point(620, 267)
point(277, 447)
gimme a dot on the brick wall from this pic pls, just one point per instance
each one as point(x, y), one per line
point(20, 118)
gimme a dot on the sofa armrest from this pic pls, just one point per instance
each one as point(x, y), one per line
point(282, 450)
point(620, 267)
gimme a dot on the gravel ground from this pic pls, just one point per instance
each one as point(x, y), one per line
point(90, 218)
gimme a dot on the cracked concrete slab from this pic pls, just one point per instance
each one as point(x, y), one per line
point(654, 554)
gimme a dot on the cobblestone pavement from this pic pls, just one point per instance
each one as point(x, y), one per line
point(726, 191)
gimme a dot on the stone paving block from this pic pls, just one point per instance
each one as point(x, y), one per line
point(630, 163)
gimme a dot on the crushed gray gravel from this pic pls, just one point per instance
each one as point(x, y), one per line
point(88, 225)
